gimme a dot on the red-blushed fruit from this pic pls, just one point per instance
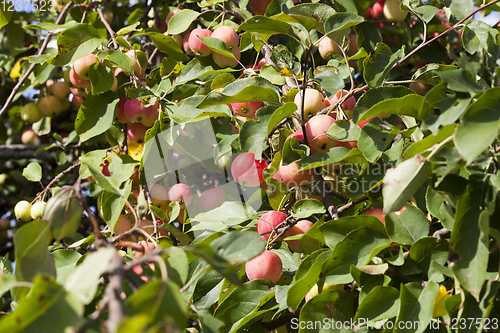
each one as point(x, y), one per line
point(314, 102)
point(420, 88)
point(80, 92)
point(260, 6)
point(120, 111)
point(353, 46)
point(298, 135)
point(81, 66)
point(134, 56)
point(267, 266)
point(378, 10)
point(316, 130)
point(147, 225)
point(246, 171)
point(223, 61)
point(77, 101)
point(277, 176)
point(196, 45)
point(60, 90)
point(30, 138)
point(228, 35)
point(268, 222)
point(212, 198)
point(246, 109)
point(30, 113)
point(393, 12)
point(78, 81)
point(49, 83)
point(153, 116)
point(182, 193)
point(49, 106)
point(121, 225)
point(400, 211)
point(185, 44)
point(377, 212)
point(158, 194)
point(348, 104)
point(327, 48)
point(136, 133)
point(135, 111)
point(292, 177)
point(300, 227)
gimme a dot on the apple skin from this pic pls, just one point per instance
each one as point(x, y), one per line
point(353, 45)
point(291, 177)
point(77, 101)
point(81, 66)
point(314, 102)
point(30, 113)
point(122, 224)
point(274, 218)
point(260, 6)
point(30, 138)
point(135, 111)
point(158, 194)
point(196, 45)
point(49, 106)
point(316, 130)
point(22, 210)
point(120, 111)
point(393, 12)
point(80, 92)
point(153, 116)
point(378, 10)
point(300, 227)
point(77, 81)
point(246, 109)
point(228, 35)
point(267, 266)
point(133, 55)
point(314, 290)
point(327, 48)
point(246, 171)
point(136, 133)
point(60, 90)
point(348, 104)
point(182, 193)
point(37, 210)
point(212, 198)
point(185, 44)
point(377, 212)
point(420, 88)
point(223, 61)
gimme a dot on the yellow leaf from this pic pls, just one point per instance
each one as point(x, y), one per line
point(16, 69)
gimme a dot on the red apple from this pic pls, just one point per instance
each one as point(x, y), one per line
point(228, 35)
point(185, 44)
point(316, 130)
point(260, 6)
point(246, 171)
point(348, 104)
point(77, 101)
point(153, 116)
point(314, 102)
point(196, 45)
point(300, 227)
point(80, 92)
point(223, 61)
point(158, 194)
point(292, 177)
point(212, 198)
point(327, 48)
point(135, 111)
point(267, 266)
point(120, 111)
point(246, 109)
point(182, 193)
point(136, 133)
point(268, 222)
point(134, 55)
point(378, 10)
point(81, 66)
point(122, 224)
point(30, 138)
point(377, 212)
point(77, 81)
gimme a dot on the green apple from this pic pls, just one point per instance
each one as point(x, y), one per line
point(37, 210)
point(30, 113)
point(23, 210)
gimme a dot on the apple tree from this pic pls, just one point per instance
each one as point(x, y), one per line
point(249, 166)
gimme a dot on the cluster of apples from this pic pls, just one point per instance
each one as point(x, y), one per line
point(26, 212)
point(386, 9)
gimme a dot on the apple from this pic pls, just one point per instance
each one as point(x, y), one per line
point(196, 45)
point(353, 45)
point(224, 162)
point(60, 90)
point(135, 111)
point(49, 106)
point(37, 210)
point(246, 171)
point(22, 210)
point(292, 177)
point(300, 227)
point(81, 66)
point(267, 266)
point(114, 87)
point(223, 61)
point(314, 290)
point(246, 109)
point(314, 102)
point(348, 104)
point(228, 35)
point(49, 83)
point(78, 81)
point(30, 113)
point(80, 92)
point(77, 101)
point(377, 212)
point(420, 88)
point(136, 133)
point(30, 138)
point(158, 194)
point(153, 116)
point(182, 193)
point(185, 44)
point(134, 55)
point(212, 198)
point(316, 130)
point(268, 222)
point(393, 12)
point(122, 224)
point(178, 40)
point(278, 176)
point(147, 225)
point(120, 111)
point(260, 6)
point(65, 103)
point(328, 47)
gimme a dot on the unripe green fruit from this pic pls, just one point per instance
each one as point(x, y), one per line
point(23, 210)
point(393, 12)
point(3, 178)
point(37, 210)
point(30, 113)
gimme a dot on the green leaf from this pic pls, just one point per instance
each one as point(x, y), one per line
point(95, 116)
point(304, 208)
point(330, 78)
point(238, 246)
point(408, 226)
point(207, 289)
point(65, 262)
point(266, 26)
point(297, 20)
point(229, 213)
point(167, 44)
point(402, 181)
point(181, 21)
point(336, 230)
point(118, 59)
point(333, 306)
point(318, 11)
point(408, 105)
point(33, 172)
point(194, 70)
point(279, 114)
point(479, 126)
point(101, 78)
point(426, 251)
point(429, 141)
point(112, 205)
point(382, 302)
point(217, 46)
point(75, 43)
point(438, 206)
point(336, 154)
point(253, 133)
point(5, 16)
point(460, 80)
point(476, 36)
point(368, 36)
point(188, 111)
point(41, 310)
point(378, 64)
point(272, 74)
point(416, 304)
point(376, 95)
point(426, 12)
point(341, 21)
point(63, 212)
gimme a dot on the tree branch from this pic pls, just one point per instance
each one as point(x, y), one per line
point(108, 27)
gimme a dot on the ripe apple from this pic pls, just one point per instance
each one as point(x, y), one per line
point(147, 225)
point(77, 101)
point(37, 210)
point(185, 44)
point(122, 224)
point(246, 109)
point(246, 171)
point(136, 133)
point(30, 138)
point(212, 198)
point(120, 111)
point(314, 290)
point(278, 176)
point(65, 103)
point(316, 130)
point(153, 116)
point(134, 55)
point(377, 212)
point(393, 12)
point(229, 36)
point(314, 102)
point(158, 194)
point(81, 66)
point(196, 45)
point(348, 104)
point(353, 45)
point(267, 266)
point(60, 90)
point(78, 81)
point(268, 222)
point(135, 111)
point(30, 113)
point(327, 48)
point(49, 106)
point(80, 92)
point(292, 177)
point(420, 88)
point(22, 210)
point(300, 227)
point(182, 193)
point(260, 6)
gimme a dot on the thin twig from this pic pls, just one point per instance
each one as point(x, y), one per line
point(108, 27)
point(112, 292)
point(350, 204)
